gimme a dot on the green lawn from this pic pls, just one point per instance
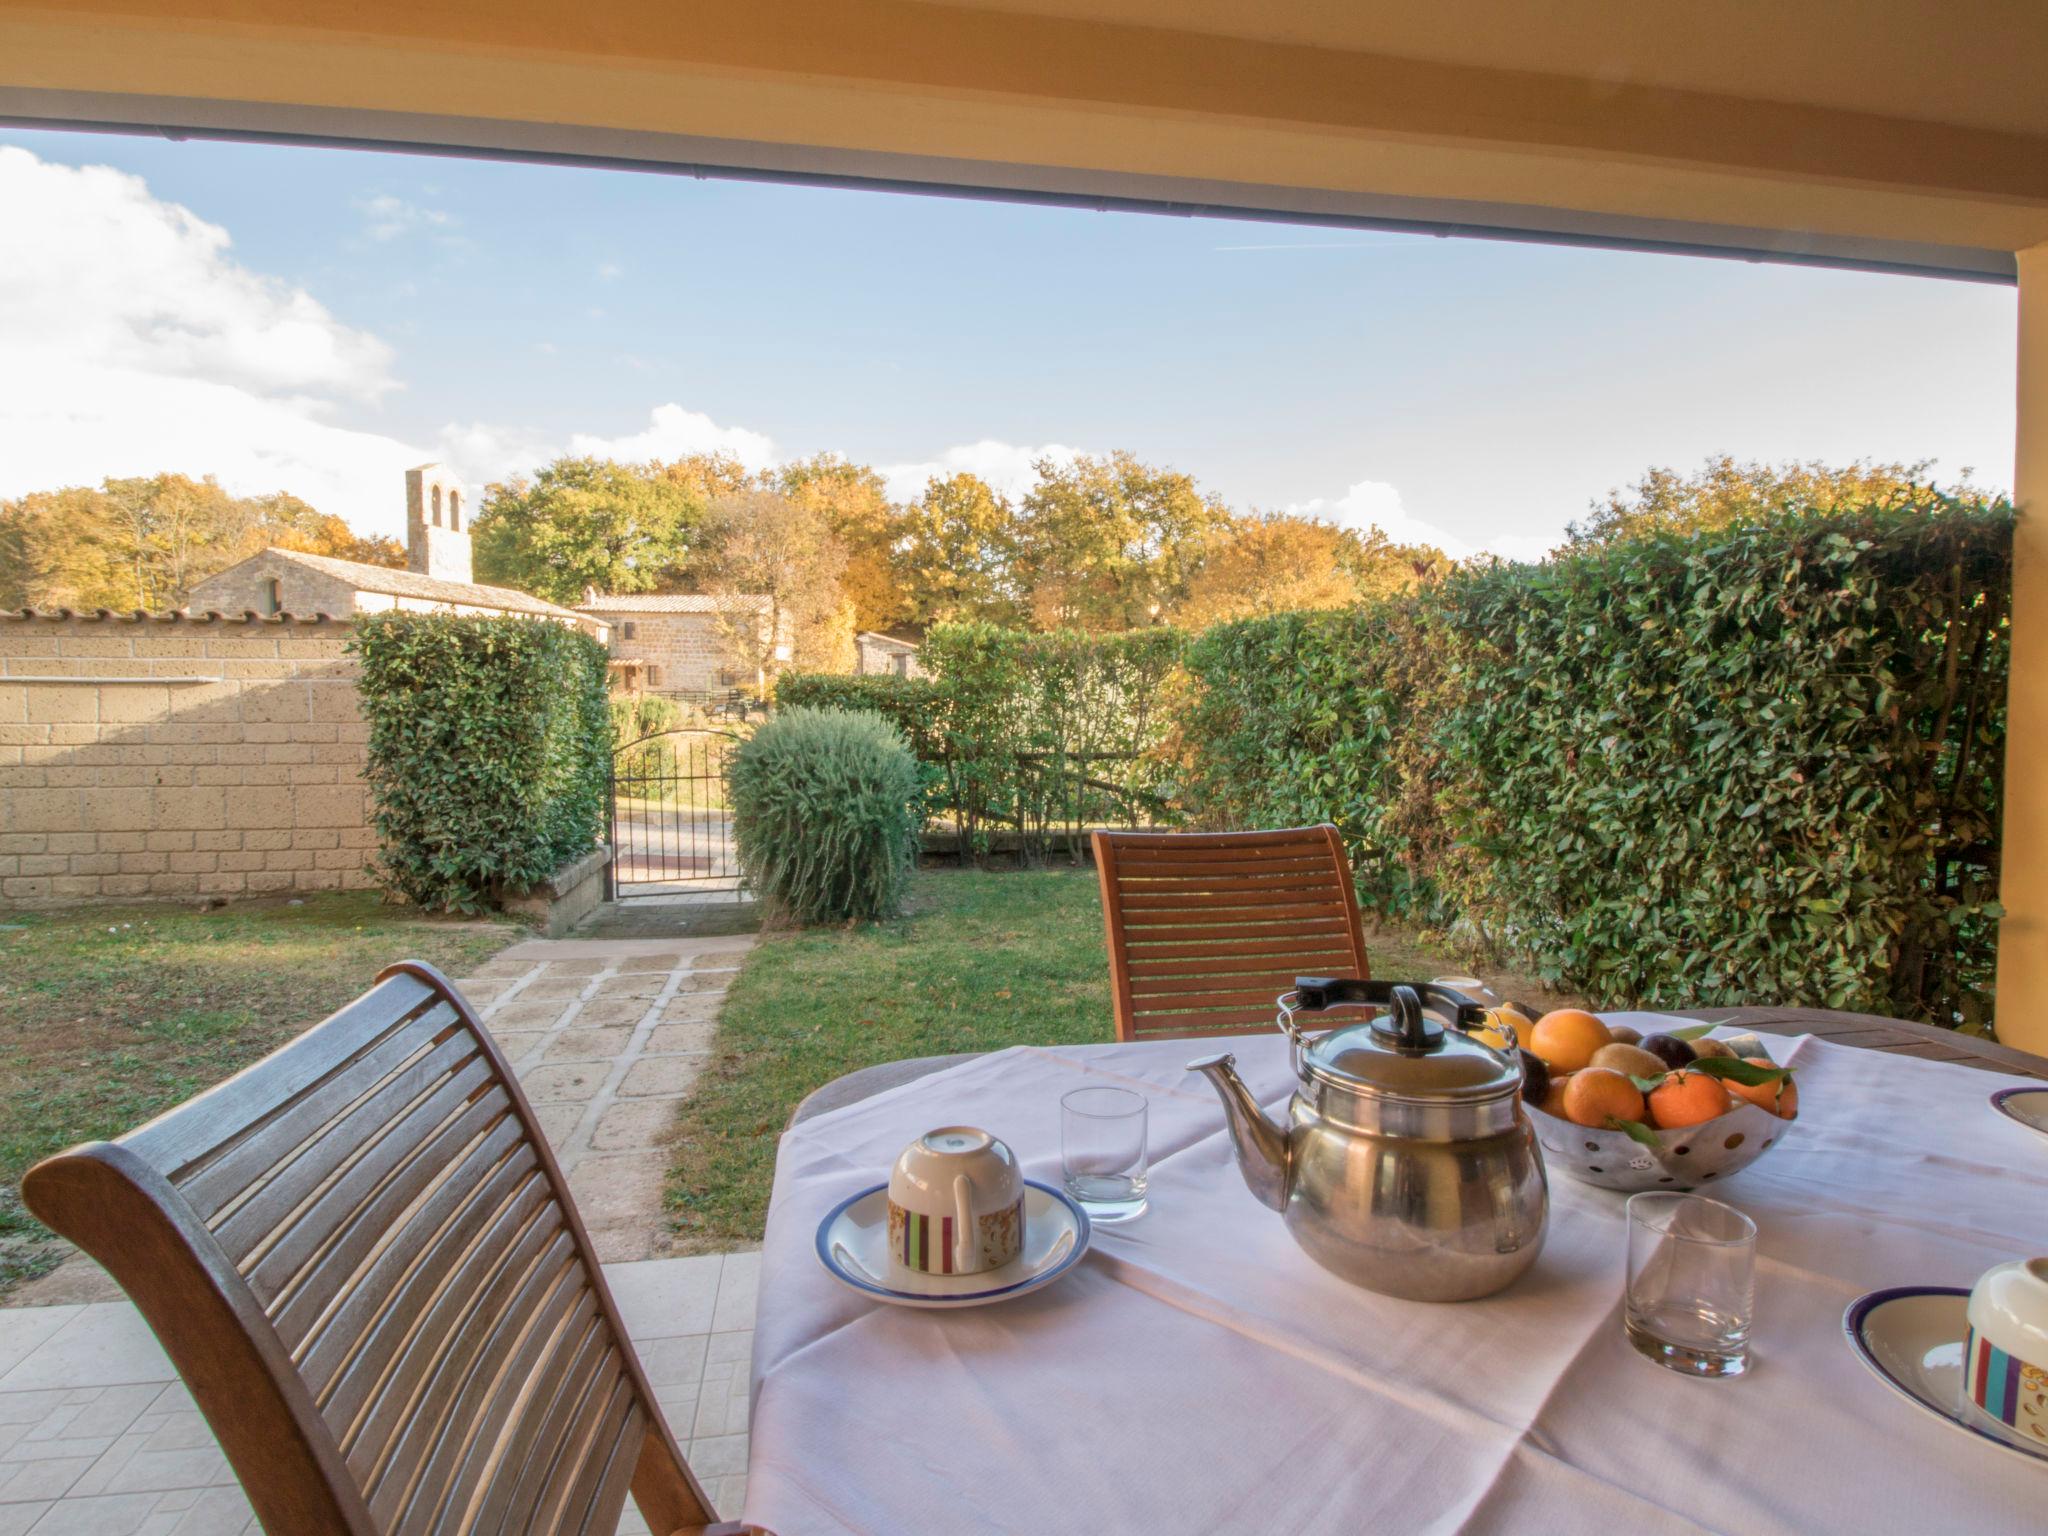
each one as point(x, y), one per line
point(983, 960)
point(111, 1015)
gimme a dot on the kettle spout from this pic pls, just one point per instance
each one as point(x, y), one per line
point(1261, 1145)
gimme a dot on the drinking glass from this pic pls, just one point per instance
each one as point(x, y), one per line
point(1102, 1151)
point(1691, 1283)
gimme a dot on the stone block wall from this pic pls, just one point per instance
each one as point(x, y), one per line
point(688, 651)
point(163, 756)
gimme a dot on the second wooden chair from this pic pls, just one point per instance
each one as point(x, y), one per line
point(1206, 929)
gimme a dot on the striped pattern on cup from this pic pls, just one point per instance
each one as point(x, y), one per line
point(923, 1243)
point(1994, 1380)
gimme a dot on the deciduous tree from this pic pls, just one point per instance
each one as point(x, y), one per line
point(781, 548)
point(957, 558)
point(1724, 492)
point(867, 524)
point(585, 522)
point(1111, 543)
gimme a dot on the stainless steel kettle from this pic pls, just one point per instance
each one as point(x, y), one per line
point(1407, 1164)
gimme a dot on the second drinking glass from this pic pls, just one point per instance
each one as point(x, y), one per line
point(1102, 1151)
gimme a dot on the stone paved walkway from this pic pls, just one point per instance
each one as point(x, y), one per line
point(607, 1035)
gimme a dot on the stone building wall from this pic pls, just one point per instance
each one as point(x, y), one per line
point(165, 756)
point(245, 588)
point(688, 651)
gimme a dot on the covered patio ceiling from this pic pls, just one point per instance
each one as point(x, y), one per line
point(1893, 134)
point(1888, 132)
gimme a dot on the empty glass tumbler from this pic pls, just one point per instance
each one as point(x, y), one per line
point(1691, 1295)
point(1102, 1151)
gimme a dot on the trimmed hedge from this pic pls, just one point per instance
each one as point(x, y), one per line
point(1037, 733)
point(1757, 765)
point(824, 815)
point(490, 746)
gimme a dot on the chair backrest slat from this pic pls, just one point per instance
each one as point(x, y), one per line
point(1206, 929)
point(363, 1259)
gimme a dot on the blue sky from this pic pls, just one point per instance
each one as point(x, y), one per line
point(310, 320)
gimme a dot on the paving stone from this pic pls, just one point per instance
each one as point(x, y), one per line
point(660, 1075)
point(16, 1519)
point(23, 1329)
point(554, 986)
point(588, 1044)
point(738, 1279)
point(604, 1012)
point(220, 1511)
point(690, 1035)
point(525, 1015)
point(504, 967)
point(635, 1125)
point(571, 1081)
point(686, 1006)
point(482, 991)
point(102, 1346)
point(713, 959)
point(586, 966)
point(729, 1494)
point(705, 981)
point(677, 1362)
point(718, 1455)
point(558, 1122)
point(518, 1044)
point(616, 987)
point(630, 1243)
point(619, 1188)
point(667, 1298)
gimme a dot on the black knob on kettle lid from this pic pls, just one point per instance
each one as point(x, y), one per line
point(1404, 1024)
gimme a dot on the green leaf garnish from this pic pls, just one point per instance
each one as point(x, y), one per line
point(1689, 1031)
point(1648, 1084)
point(1736, 1070)
point(1635, 1130)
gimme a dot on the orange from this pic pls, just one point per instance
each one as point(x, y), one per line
point(1494, 1035)
point(1780, 1097)
point(1596, 1095)
point(1566, 1038)
point(1687, 1098)
point(1553, 1101)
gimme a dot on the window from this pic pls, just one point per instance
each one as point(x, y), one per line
point(626, 630)
point(455, 510)
point(273, 599)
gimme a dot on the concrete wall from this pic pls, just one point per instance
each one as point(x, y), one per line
point(151, 758)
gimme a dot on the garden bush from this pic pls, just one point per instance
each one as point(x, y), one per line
point(824, 814)
point(1761, 764)
point(489, 751)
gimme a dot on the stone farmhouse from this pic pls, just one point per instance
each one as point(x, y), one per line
point(885, 655)
point(689, 643)
point(437, 577)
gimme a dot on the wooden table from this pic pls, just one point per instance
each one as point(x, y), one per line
point(1865, 1031)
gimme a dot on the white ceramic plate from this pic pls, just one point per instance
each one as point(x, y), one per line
point(1911, 1337)
point(853, 1245)
point(2029, 1106)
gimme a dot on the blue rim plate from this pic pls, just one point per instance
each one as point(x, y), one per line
point(853, 1245)
point(2034, 1116)
point(1911, 1338)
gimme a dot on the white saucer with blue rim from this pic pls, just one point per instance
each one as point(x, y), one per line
point(2029, 1106)
point(1911, 1338)
point(853, 1245)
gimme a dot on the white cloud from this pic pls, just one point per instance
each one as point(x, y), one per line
point(387, 217)
point(608, 270)
point(672, 432)
point(1007, 467)
point(135, 343)
point(99, 271)
point(1376, 504)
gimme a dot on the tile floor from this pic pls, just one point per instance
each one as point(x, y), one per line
point(97, 1438)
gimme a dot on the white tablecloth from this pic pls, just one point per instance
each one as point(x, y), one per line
point(1198, 1373)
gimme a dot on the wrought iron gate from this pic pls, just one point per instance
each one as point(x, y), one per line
point(670, 833)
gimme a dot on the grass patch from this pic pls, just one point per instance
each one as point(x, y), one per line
point(983, 960)
point(109, 1016)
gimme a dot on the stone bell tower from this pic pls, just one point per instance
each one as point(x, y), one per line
point(436, 523)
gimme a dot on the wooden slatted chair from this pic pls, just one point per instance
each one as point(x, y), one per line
point(364, 1262)
point(1206, 929)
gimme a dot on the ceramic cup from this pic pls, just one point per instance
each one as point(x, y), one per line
point(2006, 1352)
point(956, 1203)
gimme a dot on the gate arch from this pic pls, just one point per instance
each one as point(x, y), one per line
point(670, 831)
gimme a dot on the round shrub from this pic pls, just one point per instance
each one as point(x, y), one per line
point(824, 810)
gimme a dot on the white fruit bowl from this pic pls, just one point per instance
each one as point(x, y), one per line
point(1697, 1155)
